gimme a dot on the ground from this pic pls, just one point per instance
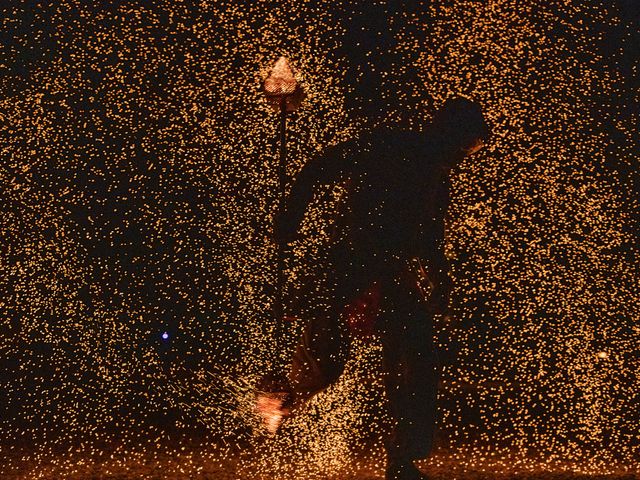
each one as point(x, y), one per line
point(213, 463)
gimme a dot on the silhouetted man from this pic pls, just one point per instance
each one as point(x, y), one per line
point(393, 218)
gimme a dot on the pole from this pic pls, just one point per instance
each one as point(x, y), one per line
point(282, 181)
point(284, 94)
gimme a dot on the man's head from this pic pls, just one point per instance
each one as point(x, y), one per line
point(460, 123)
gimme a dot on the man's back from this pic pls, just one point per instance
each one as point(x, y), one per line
point(397, 194)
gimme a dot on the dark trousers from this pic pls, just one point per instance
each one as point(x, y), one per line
point(406, 331)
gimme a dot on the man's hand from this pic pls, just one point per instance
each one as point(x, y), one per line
point(439, 299)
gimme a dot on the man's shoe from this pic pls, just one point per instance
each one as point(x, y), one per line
point(404, 471)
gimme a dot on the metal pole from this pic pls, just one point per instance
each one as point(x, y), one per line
point(282, 181)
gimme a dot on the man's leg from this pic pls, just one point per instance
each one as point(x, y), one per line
point(317, 362)
point(323, 349)
point(319, 357)
point(411, 373)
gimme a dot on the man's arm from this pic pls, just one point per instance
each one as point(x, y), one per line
point(326, 168)
point(432, 247)
point(438, 270)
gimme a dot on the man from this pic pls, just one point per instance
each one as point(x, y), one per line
point(393, 218)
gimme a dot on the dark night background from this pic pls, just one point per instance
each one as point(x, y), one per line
point(137, 183)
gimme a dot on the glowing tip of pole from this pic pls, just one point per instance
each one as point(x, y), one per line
point(281, 87)
point(281, 81)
